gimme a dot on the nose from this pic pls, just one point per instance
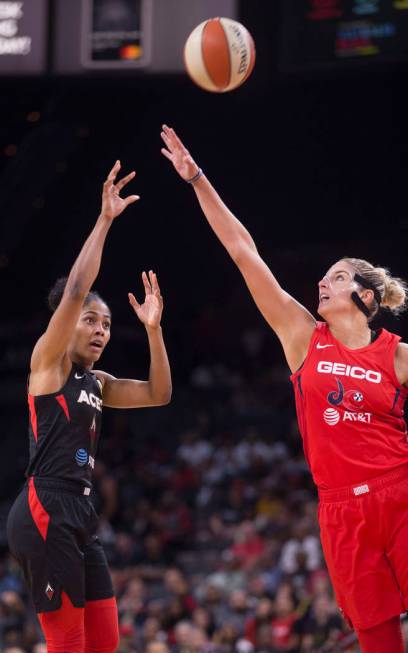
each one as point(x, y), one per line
point(99, 330)
point(324, 283)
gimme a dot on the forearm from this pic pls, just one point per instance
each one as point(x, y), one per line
point(229, 230)
point(159, 374)
point(86, 267)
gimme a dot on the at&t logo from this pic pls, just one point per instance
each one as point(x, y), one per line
point(331, 416)
point(82, 458)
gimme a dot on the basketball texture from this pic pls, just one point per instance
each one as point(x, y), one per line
point(219, 54)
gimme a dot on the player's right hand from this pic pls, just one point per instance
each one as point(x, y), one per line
point(178, 154)
point(112, 203)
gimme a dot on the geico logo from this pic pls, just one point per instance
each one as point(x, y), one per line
point(90, 399)
point(340, 369)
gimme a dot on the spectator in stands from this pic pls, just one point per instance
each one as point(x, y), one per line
point(156, 647)
point(303, 545)
point(320, 626)
point(194, 450)
point(183, 636)
point(248, 545)
point(132, 604)
point(262, 616)
point(284, 617)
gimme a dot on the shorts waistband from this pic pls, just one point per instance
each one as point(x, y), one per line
point(48, 483)
point(364, 488)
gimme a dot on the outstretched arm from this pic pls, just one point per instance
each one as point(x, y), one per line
point(52, 346)
point(292, 323)
point(131, 393)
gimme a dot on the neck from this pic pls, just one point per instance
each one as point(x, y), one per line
point(79, 360)
point(353, 331)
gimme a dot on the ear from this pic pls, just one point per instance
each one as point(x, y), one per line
point(367, 296)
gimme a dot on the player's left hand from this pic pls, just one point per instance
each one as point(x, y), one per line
point(150, 312)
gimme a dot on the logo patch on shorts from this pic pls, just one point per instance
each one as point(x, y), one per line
point(49, 591)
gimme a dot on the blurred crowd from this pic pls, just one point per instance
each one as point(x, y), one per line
point(213, 548)
point(208, 516)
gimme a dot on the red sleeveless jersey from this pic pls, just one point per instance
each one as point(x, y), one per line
point(350, 409)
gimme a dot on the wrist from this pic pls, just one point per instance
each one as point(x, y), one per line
point(195, 178)
point(103, 218)
point(153, 329)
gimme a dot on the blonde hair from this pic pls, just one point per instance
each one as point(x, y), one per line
point(393, 290)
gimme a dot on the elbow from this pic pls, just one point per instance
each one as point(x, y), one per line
point(235, 250)
point(238, 253)
point(240, 250)
point(162, 398)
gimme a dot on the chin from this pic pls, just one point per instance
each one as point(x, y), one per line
point(324, 312)
point(91, 357)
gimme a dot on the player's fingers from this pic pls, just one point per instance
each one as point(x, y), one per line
point(172, 136)
point(176, 139)
point(133, 301)
point(155, 284)
point(112, 175)
point(131, 199)
point(167, 141)
point(167, 154)
point(122, 182)
point(146, 283)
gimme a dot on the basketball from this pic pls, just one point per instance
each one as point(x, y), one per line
point(219, 55)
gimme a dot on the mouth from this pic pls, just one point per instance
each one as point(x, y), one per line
point(323, 298)
point(96, 345)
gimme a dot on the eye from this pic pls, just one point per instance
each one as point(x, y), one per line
point(106, 325)
point(89, 320)
point(340, 277)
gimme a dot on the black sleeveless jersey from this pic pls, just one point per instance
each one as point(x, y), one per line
point(64, 429)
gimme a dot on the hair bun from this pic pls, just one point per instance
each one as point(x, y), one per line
point(393, 290)
point(56, 292)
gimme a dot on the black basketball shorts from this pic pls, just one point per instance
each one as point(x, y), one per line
point(51, 532)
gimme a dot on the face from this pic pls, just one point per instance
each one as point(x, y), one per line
point(157, 647)
point(335, 290)
point(92, 332)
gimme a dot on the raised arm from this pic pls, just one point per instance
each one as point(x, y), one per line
point(292, 323)
point(156, 391)
point(51, 348)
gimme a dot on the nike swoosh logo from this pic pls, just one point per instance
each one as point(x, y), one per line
point(319, 346)
point(77, 376)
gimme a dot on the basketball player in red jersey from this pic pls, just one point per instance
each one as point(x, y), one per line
point(52, 525)
point(350, 386)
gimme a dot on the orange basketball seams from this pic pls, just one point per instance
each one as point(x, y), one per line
point(215, 53)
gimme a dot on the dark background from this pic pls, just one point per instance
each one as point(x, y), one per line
point(313, 163)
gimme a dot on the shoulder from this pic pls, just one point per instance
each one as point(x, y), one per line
point(103, 378)
point(402, 351)
point(401, 362)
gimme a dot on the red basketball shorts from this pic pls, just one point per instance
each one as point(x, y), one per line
point(364, 534)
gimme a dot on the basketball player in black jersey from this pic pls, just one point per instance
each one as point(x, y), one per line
point(51, 526)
